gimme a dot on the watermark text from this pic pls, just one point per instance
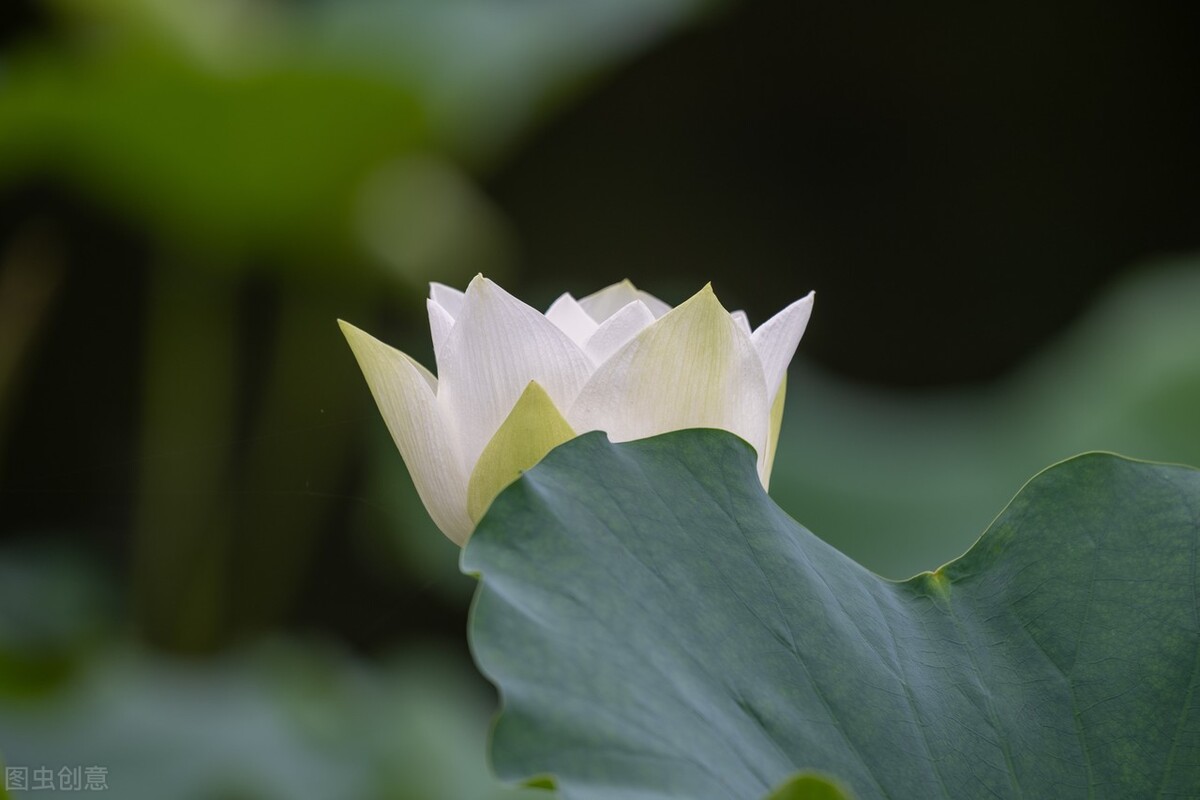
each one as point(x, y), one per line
point(76, 778)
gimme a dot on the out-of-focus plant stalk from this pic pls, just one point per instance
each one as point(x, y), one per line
point(297, 448)
point(30, 272)
point(184, 516)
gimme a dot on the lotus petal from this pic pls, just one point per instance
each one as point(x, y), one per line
point(777, 338)
point(693, 368)
point(618, 330)
point(440, 323)
point(497, 346)
point(571, 319)
point(405, 394)
point(742, 320)
point(608, 301)
point(447, 297)
point(533, 428)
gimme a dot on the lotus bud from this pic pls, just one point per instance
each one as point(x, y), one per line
point(514, 383)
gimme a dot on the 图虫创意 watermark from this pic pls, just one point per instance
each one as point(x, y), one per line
point(65, 779)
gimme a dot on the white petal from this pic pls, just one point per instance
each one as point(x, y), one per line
point(777, 338)
point(440, 323)
point(617, 330)
point(402, 390)
point(497, 346)
point(694, 368)
point(603, 304)
point(657, 307)
point(571, 319)
point(742, 320)
point(447, 297)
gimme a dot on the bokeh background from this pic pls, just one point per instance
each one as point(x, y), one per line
point(216, 580)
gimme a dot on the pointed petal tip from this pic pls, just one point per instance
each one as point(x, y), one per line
point(447, 297)
point(482, 284)
point(710, 295)
point(367, 348)
point(352, 333)
point(533, 427)
point(777, 339)
point(706, 296)
point(438, 285)
point(807, 301)
point(804, 302)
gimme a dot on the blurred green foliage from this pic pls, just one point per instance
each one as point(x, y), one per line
point(903, 483)
point(281, 719)
point(327, 135)
point(42, 642)
point(327, 146)
point(285, 163)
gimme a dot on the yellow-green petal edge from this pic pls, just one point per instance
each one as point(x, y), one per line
point(532, 429)
point(776, 424)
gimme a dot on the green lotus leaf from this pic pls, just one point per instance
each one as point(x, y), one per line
point(659, 628)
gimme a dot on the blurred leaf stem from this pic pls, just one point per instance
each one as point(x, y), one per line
point(30, 273)
point(184, 517)
point(302, 415)
point(229, 516)
point(327, 153)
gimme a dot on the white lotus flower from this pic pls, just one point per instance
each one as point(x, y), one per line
point(513, 383)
